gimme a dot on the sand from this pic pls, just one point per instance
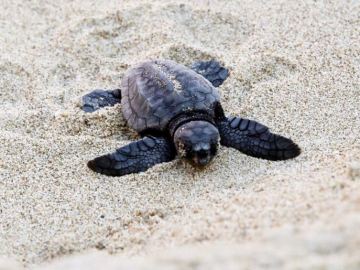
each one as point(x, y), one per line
point(294, 66)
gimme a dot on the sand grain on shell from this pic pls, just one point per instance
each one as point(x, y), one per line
point(294, 67)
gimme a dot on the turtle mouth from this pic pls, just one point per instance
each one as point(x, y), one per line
point(201, 161)
point(201, 158)
point(202, 154)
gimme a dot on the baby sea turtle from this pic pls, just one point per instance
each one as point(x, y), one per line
point(177, 111)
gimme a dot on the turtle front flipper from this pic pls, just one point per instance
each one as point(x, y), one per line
point(135, 157)
point(255, 139)
point(212, 71)
point(100, 98)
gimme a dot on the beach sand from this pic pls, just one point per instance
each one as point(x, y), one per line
point(295, 66)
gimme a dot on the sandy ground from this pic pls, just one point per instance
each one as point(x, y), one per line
point(295, 66)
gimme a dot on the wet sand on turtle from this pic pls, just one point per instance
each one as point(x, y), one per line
point(294, 67)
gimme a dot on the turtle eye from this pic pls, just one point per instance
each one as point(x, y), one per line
point(189, 152)
point(213, 150)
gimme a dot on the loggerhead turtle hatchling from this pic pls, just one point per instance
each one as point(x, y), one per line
point(177, 111)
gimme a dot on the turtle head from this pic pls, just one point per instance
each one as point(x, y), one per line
point(197, 141)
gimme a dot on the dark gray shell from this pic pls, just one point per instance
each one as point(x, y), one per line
point(155, 92)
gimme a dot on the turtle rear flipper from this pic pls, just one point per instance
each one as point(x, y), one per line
point(135, 157)
point(98, 99)
point(255, 139)
point(212, 71)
